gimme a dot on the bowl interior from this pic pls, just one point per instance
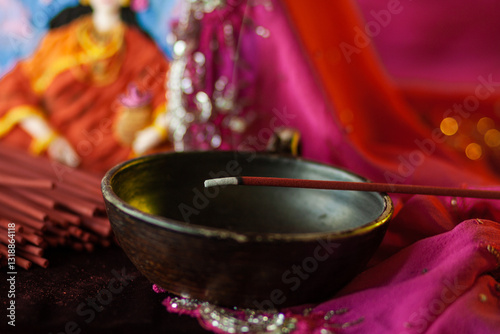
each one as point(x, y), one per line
point(171, 186)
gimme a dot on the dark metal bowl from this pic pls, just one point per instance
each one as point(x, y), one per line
point(256, 247)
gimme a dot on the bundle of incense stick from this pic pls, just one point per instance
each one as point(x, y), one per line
point(50, 205)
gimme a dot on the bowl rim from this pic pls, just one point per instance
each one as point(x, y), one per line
point(111, 198)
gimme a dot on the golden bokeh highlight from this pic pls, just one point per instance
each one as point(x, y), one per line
point(449, 126)
point(485, 124)
point(473, 151)
point(492, 138)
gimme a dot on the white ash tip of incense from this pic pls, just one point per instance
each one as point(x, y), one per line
point(223, 181)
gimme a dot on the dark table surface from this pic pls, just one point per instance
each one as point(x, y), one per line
point(82, 293)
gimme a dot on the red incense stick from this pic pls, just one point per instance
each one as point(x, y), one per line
point(357, 186)
point(11, 181)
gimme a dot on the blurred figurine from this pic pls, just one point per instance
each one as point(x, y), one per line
point(93, 83)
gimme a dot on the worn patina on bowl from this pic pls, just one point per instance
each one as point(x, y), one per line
point(255, 247)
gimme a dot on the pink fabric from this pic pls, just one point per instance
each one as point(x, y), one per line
point(435, 285)
point(292, 92)
point(437, 268)
point(445, 41)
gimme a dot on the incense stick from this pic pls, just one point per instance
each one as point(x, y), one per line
point(356, 186)
point(46, 203)
point(10, 181)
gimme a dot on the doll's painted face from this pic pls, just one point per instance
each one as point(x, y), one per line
point(109, 6)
